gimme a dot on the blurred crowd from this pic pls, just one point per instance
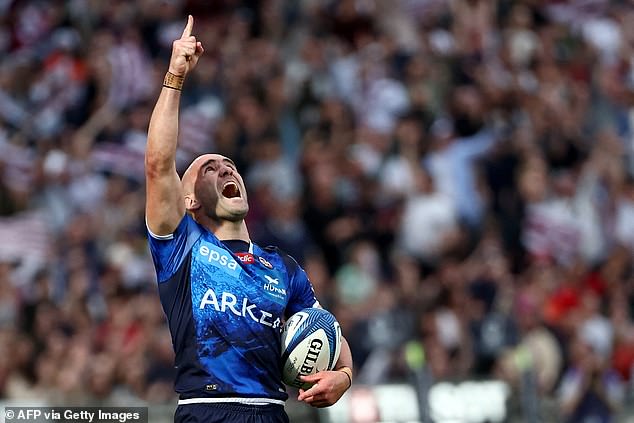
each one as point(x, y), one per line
point(456, 175)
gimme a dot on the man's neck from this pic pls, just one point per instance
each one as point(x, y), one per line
point(225, 230)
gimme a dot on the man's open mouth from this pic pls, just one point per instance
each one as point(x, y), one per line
point(230, 190)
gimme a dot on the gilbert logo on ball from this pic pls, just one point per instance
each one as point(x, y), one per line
point(311, 342)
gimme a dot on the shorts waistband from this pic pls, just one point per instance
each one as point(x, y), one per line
point(231, 400)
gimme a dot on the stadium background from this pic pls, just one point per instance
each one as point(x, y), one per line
point(457, 177)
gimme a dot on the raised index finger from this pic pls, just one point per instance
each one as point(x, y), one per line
point(188, 28)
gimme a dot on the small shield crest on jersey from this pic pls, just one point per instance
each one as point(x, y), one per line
point(265, 262)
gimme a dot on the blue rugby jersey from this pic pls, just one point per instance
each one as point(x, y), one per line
point(225, 306)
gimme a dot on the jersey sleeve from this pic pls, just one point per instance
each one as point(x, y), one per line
point(170, 251)
point(302, 292)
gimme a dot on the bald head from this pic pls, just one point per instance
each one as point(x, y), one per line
point(191, 174)
point(189, 177)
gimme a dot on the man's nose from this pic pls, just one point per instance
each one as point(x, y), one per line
point(226, 170)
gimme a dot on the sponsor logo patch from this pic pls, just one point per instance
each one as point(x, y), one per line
point(265, 262)
point(274, 289)
point(227, 302)
point(219, 258)
point(246, 258)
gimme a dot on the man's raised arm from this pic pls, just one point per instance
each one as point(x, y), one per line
point(165, 206)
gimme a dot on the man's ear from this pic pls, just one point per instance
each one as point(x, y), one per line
point(191, 203)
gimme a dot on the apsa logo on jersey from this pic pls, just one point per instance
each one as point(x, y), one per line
point(265, 262)
point(246, 258)
point(219, 258)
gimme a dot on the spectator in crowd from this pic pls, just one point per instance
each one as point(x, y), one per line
point(590, 389)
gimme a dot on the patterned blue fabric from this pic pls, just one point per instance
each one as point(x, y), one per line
point(225, 310)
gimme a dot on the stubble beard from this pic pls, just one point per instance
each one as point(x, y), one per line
point(228, 213)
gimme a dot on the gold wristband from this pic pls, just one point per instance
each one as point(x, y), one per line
point(348, 372)
point(172, 81)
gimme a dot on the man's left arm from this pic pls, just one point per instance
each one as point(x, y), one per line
point(328, 386)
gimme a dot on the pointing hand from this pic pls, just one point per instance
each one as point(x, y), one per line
point(185, 51)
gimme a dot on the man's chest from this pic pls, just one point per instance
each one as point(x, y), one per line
point(243, 285)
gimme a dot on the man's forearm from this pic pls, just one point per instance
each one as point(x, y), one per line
point(345, 358)
point(163, 131)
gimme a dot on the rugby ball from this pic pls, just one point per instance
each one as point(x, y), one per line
point(311, 342)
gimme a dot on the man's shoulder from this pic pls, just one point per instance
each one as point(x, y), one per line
point(289, 262)
point(186, 226)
